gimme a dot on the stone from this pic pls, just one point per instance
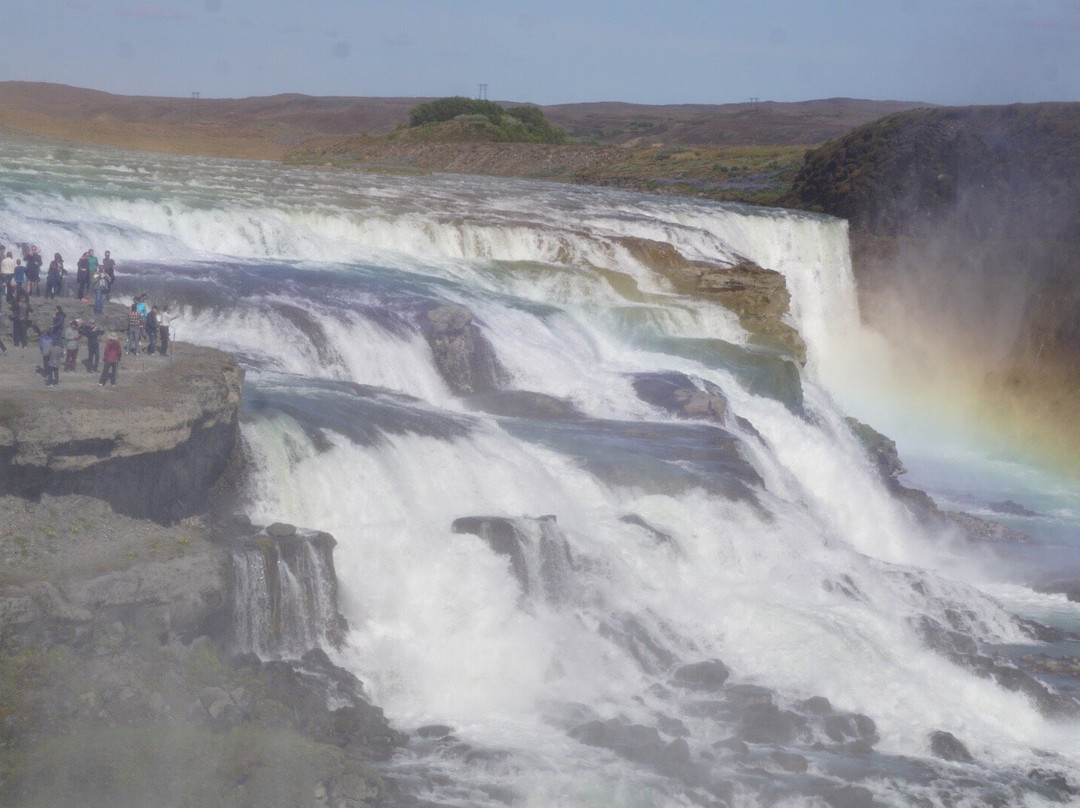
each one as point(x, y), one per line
point(947, 746)
point(789, 761)
point(706, 676)
point(767, 723)
point(281, 530)
point(631, 741)
point(524, 404)
point(434, 731)
point(463, 355)
point(678, 394)
point(850, 797)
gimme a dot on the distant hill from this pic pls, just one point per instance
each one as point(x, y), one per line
point(291, 118)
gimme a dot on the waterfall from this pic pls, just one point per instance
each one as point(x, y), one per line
point(284, 595)
point(649, 564)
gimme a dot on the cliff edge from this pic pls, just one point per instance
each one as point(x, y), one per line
point(965, 235)
point(151, 446)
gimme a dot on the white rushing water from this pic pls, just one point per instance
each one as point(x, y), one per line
point(796, 566)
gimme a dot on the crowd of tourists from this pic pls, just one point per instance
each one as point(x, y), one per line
point(20, 278)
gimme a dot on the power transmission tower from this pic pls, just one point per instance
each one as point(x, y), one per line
point(194, 103)
point(481, 92)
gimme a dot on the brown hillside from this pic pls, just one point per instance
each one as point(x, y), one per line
point(267, 126)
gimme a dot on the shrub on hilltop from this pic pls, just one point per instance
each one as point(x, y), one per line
point(485, 120)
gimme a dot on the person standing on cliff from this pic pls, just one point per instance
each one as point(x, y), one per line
point(92, 270)
point(134, 329)
point(164, 328)
point(58, 324)
point(101, 291)
point(7, 266)
point(54, 280)
point(108, 266)
point(71, 342)
point(153, 321)
point(20, 313)
point(110, 360)
point(33, 272)
point(93, 348)
point(53, 362)
point(82, 275)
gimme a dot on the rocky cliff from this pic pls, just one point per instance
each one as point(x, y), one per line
point(966, 247)
point(128, 614)
point(122, 680)
point(151, 446)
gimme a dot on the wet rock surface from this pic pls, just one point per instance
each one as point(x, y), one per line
point(757, 295)
point(464, 356)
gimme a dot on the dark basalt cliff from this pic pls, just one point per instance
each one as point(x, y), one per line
point(965, 228)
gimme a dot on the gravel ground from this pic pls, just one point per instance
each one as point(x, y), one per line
point(74, 536)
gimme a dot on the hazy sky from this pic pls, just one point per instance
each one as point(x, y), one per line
point(554, 51)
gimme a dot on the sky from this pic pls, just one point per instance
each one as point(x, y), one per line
point(955, 52)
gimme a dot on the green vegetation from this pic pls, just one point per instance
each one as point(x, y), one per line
point(485, 120)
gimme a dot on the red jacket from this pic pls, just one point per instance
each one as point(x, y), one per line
point(113, 351)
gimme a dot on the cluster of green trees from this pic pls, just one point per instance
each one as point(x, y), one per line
point(518, 124)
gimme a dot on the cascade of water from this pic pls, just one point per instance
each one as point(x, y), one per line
point(284, 597)
point(753, 531)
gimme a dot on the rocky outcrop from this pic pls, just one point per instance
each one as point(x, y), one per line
point(115, 668)
point(678, 394)
point(538, 552)
point(284, 591)
point(965, 238)
point(152, 446)
point(464, 356)
point(759, 296)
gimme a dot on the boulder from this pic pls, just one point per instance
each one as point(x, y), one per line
point(463, 355)
point(947, 746)
point(758, 296)
point(678, 394)
point(706, 676)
